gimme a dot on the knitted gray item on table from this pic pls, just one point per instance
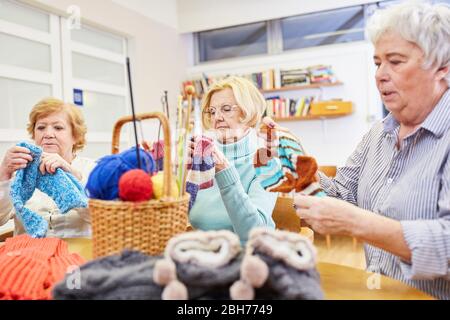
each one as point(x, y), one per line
point(128, 276)
point(287, 283)
point(209, 283)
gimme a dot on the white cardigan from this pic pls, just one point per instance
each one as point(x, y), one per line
point(74, 224)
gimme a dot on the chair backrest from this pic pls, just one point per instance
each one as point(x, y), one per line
point(284, 214)
point(329, 171)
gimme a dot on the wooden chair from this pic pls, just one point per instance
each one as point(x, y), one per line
point(286, 218)
point(7, 230)
point(330, 171)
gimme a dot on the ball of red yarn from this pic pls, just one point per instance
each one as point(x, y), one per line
point(135, 185)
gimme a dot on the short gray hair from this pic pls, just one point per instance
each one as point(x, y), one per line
point(426, 25)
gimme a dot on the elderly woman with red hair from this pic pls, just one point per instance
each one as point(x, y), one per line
point(59, 129)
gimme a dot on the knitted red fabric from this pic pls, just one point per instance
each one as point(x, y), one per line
point(59, 266)
point(30, 267)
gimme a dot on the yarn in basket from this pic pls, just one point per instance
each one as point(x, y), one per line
point(103, 182)
point(136, 186)
point(158, 186)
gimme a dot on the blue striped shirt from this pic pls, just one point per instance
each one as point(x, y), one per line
point(411, 185)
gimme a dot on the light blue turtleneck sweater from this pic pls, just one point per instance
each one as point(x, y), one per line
point(236, 202)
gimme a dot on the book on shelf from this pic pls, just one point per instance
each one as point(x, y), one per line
point(286, 107)
point(305, 76)
point(321, 74)
point(307, 106)
point(264, 80)
point(299, 107)
point(294, 77)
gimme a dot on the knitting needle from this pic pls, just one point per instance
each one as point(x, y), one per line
point(165, 108)
point(180, 145)
point(166, 103)
point(197, 118)
point(134, 115)
point(177, 133)
point(190, 91)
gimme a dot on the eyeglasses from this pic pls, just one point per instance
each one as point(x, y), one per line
point(226, 110)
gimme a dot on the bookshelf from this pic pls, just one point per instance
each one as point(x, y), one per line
point(310, 117)
point(303, 87)
point(281, 105)
point(285, 108)
point(293, 88)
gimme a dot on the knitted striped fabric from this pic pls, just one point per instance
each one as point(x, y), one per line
point(201, 170)
point(290, 170)
point(158, 154)
point(31, 267)
point(62, 187)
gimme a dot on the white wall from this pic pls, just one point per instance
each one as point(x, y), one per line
point(199, 15)
point(331, 141)
point(162, 11)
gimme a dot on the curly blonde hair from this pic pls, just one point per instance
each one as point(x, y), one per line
point(48, 106)
point(249, 99)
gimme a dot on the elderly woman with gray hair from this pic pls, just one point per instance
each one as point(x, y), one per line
point(394, 191)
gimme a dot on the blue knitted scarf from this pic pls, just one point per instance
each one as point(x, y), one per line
point(62, 187)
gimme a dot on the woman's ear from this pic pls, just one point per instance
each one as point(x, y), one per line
point(442, 72)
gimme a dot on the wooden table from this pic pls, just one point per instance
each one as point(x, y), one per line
point(338, 282)
point(346, 283)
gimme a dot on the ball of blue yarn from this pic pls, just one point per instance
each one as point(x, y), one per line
point(103, 182)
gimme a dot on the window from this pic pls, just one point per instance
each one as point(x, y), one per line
point(318, 29)
point(30, 66)
point(95, 63)
point(276, 36)
point(16, 99)
point(240, 41)
point(16, 52)
point(18, 14)
point(41, 57)
point(98, 39)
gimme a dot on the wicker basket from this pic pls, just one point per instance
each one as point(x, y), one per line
point(144, 226)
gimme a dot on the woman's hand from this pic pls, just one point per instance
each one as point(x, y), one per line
point(269, 134)
point(52, 161)
point(270, 137)
point(190, 149)
point(15, 158)
point(220, 161)
point(328, 215)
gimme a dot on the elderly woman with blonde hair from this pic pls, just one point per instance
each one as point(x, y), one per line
point(59, 129)
point(237, 202)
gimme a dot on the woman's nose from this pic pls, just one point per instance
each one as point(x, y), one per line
point(49, 133)
point(381, 74)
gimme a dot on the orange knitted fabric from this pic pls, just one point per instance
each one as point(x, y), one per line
point(30, 267)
